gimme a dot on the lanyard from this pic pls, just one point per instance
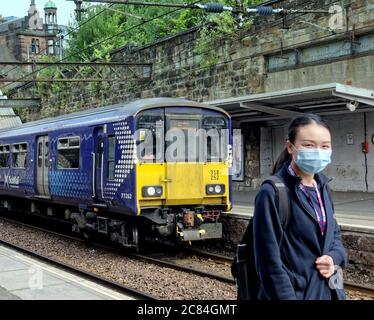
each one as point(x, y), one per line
point(320, 218)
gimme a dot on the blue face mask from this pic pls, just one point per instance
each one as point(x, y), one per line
point(313, 160)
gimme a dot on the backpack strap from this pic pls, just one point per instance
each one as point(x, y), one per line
point(283, 201)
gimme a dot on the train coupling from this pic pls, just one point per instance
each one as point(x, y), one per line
point(205, 231)
point(195, 227)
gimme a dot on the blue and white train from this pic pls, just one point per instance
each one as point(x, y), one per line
point(84, 167)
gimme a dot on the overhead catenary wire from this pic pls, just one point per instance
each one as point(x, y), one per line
point(301, 12)
point(304, 43)
point(212, 7)
point(103, 41)
point(262, 10)
point(261, 28)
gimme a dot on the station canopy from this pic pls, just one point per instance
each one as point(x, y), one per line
point(326, 99)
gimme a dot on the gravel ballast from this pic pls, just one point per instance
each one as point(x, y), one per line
point(158, 281)
point(161, 282)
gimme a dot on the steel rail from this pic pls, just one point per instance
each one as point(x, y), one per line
point(79, 272)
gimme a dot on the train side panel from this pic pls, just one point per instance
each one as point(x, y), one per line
point(17, 168)
point(119, 184)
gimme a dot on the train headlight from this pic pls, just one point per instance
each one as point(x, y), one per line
point(152, 191)
point(215, 188)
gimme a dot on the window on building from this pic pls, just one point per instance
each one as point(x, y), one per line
point(37, 46)
point(51, 47)
point(68, 153)
point(111, 154)
point(19, 155)
point(33, 46)
point(4, 156)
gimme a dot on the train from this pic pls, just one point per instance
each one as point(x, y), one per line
point(90, 169)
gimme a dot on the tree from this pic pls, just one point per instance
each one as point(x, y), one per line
point(126, 24)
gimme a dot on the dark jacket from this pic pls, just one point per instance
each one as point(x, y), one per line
point(285, 261)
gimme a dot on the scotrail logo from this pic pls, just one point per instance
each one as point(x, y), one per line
point(11, 181)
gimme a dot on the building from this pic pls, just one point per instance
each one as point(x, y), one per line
point(8, 119)
point(33, 34)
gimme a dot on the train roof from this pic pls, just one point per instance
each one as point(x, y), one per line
point(100, 115)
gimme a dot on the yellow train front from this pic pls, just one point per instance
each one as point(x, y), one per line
point(182, 169)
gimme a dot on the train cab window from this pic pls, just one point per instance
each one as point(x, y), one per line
point(182, 138)
point(4, 156)
point(150, 142)
point(68, 153)
point(111, 153)
point(19, 155)
point(216, 138)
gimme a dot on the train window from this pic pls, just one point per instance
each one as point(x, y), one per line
point(46, 152)
point(40, 146)
point(150, 146)
point(19, 155)
point(183, 139)
point(100, 148)
point(68, 153)
point(214, 122)
point(111, 153)
point(74, 142)
point(4, 156)
point(216, 138)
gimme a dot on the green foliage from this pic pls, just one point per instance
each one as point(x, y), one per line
point(100, 27)
point(224, 26)
point(120, 23)
point(122, 19)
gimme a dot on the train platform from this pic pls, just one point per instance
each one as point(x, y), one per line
point(25, 278)
point(353, 210)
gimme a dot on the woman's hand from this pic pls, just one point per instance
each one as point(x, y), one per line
point(325, 266)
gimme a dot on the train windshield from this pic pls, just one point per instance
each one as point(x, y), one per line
point(216, 138)
point(180, 137)
point(149, 137)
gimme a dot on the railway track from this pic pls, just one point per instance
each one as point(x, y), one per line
point(165, 260)
point(160, 258)
point(87, 275)
point(364, 290)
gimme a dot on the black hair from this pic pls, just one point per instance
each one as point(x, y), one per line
point(293, 127)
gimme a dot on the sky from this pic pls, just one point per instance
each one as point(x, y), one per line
point(18, 8)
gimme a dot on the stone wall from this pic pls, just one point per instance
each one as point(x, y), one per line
point(179, 71)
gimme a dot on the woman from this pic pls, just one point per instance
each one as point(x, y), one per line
point(301, 260)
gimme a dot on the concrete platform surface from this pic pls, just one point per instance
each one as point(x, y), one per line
point(26, 278)
point(352, 209)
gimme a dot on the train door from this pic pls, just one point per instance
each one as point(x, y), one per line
point(42, 166)
point(98, 165)
point(184, 173)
